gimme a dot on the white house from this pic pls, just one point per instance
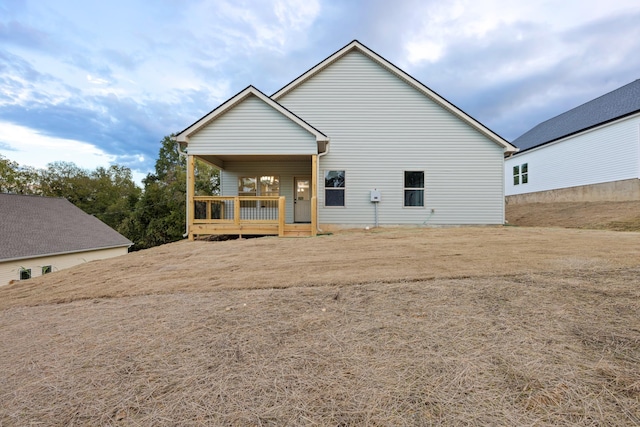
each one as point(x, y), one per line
point(352, 142)
point(589, 153)
point(40, 235)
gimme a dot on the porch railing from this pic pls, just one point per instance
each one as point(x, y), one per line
point(239, 210)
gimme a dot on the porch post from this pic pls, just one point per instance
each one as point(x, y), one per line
point(314, 194)
point(191, 186)
point(281, 215)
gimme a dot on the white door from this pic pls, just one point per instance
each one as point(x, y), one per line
point(302, 200)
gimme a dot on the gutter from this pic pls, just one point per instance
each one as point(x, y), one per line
point(75, 251)
point(324, 153)
point(186, 218)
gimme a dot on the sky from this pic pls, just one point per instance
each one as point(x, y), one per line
point(99, 83)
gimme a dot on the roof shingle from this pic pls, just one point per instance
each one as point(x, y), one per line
point(613, 105)
point(35, 226)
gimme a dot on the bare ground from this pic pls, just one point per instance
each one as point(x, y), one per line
point(457, 326)
point(618, 216)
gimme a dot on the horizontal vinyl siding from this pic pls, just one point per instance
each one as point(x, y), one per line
point(606, 154)
point(10, 270)
point(252, 127)
point(380, 126)
point(287, 171)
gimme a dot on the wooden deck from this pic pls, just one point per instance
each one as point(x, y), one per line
point(234, 215)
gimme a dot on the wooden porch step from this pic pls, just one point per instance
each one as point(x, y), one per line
point(297, 230)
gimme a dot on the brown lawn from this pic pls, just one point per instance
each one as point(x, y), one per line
point(425, 326)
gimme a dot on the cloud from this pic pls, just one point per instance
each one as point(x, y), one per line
point(120, 75)
point(31, 148)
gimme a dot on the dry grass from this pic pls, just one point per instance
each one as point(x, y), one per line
point(466, 326)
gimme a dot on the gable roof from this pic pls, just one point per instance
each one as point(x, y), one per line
point(356, 45)
point(614, 105)
point(184, 135)
point(37, 226)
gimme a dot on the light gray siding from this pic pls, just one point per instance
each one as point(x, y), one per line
point(380, 126)
point(605, 154)
point(252, 127)
point(287, 171)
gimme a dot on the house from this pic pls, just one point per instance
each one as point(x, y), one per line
point(353, 142)
point(39, 235)
point(589, 153)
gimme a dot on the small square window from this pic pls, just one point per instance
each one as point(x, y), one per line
point(25, 273)
point(46, 269)
point(521, 174)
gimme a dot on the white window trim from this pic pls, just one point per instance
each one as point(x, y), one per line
point(324, 189)
point(423, 188)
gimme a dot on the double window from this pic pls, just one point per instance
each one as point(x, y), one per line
point(414, 188)
point(267, 185)
point(521, 174)
point(259, 186)
point(334, 188)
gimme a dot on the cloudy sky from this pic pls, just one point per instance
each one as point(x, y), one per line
point(97, 82)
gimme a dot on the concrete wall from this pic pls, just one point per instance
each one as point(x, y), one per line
point(616, 191)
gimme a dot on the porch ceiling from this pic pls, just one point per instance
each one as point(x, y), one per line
point(219, 161)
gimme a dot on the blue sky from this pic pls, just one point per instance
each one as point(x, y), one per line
point(98, 83)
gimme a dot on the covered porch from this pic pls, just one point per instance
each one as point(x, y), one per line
point(283, 203)
point(268, 162)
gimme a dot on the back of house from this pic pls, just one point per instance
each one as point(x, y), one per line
point(353, 142)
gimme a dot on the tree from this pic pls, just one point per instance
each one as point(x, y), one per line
point(16, 179)
point(159, 215)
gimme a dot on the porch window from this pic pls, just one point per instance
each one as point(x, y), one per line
point(414, 188)
point(267, 185)
point(334, 188)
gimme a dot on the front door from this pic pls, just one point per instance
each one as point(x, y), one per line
point(302, 200)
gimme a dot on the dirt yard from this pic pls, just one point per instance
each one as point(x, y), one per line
point(618, 216)
point(434, 326)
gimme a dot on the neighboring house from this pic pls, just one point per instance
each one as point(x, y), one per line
point(353, 142)
point(39, 235)
point(589, 153)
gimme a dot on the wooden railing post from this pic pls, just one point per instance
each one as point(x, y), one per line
point(236, 210)
point(281, 216)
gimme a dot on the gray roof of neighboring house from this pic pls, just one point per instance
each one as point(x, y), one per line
point(611, 106)
point(35, 226)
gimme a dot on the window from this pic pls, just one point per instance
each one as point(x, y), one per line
point(334, 188)
point(259, 186)
point(521, 174)
point(46, 269)
point(414, 188)
point(25, 273)
point(247, 186)
point(267, 185)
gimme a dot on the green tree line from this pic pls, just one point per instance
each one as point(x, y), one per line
point(148, 216)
